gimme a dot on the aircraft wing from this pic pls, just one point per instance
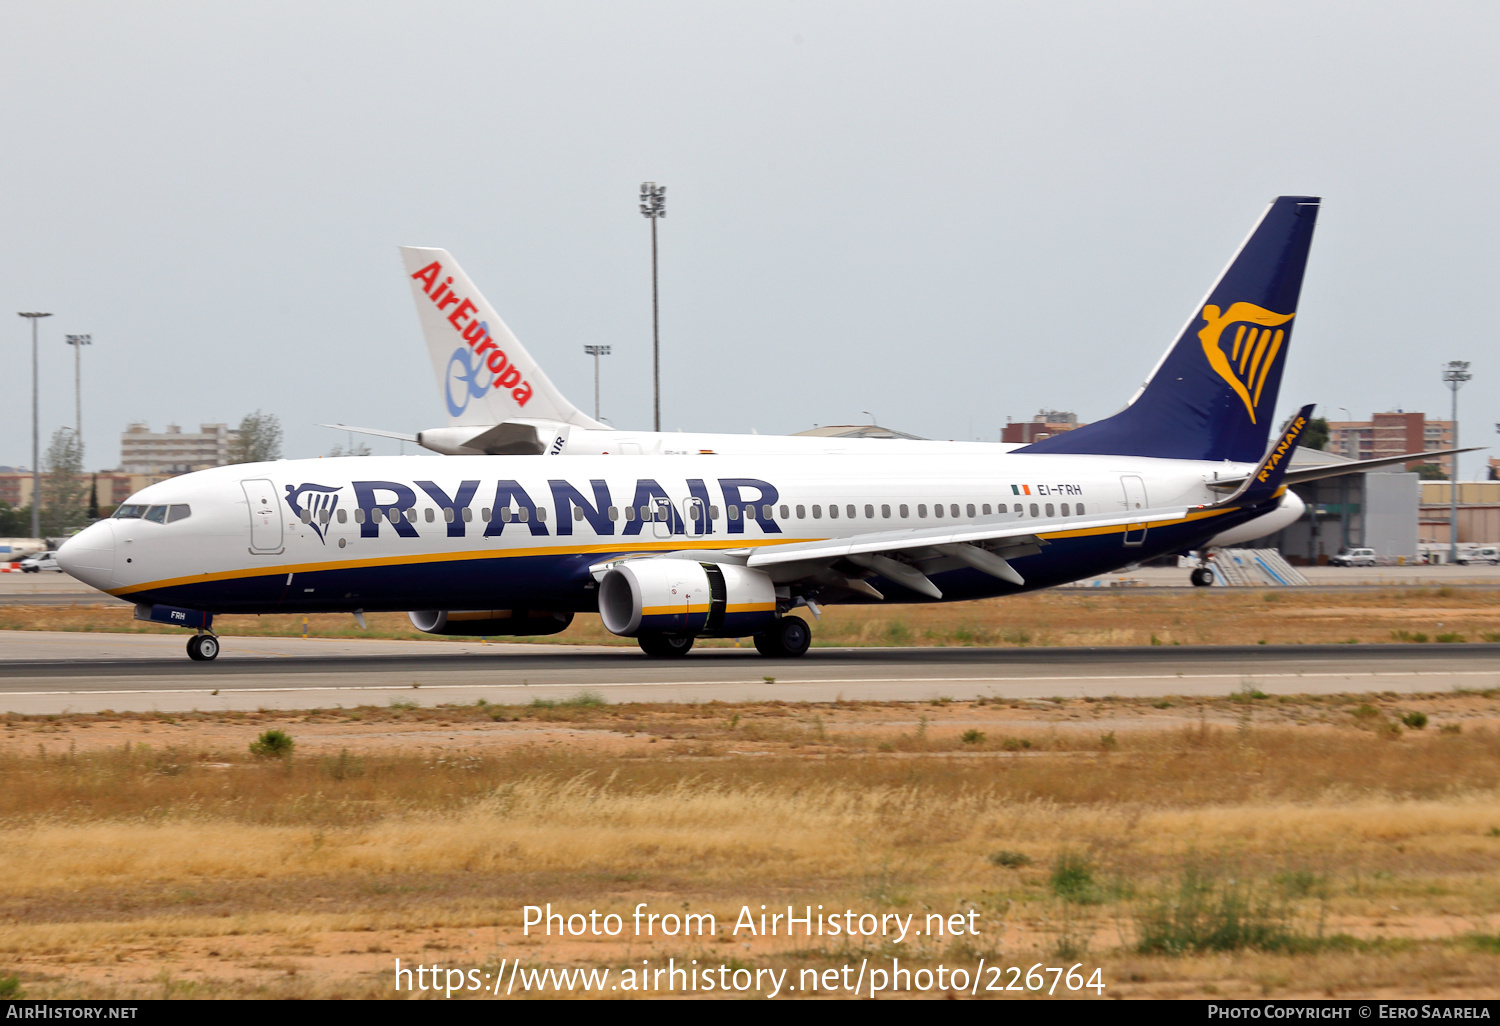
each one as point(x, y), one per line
point(371, 431)
point(1340, 469)
point(899, 555)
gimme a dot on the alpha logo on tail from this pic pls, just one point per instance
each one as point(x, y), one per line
point(1252, 350)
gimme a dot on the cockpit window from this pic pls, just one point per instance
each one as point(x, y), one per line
point(178, 512)
point(129, 511)
point(156, 514)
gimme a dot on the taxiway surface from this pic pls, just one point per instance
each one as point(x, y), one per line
point(53, 672)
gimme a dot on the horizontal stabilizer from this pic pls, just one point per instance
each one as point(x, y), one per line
point(1357, 467)
point(371, 431)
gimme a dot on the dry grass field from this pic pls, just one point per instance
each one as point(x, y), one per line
point(1125, 616)
point(1247, 846)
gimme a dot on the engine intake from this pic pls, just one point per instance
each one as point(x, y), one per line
point(685, 598)
point(490, 623)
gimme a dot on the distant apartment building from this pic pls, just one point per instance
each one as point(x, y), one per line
point(1391, 434)
point(173, 451)
point(114, 486)
point(1045, 424)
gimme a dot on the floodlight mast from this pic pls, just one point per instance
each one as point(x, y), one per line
point(78, 342)
point(1454, 376)
point(654, 208)
point(596, 352)
point(36, 452)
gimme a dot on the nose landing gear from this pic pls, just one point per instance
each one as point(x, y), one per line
point(203, 648)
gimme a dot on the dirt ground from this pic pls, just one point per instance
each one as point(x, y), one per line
point(152, 855)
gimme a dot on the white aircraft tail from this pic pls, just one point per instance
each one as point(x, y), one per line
point(486, 376)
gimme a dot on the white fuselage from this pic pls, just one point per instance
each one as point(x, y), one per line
point(459, 540)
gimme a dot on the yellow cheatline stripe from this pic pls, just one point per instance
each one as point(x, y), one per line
point(1093, 531)
point(453, 557)
point(687, 607)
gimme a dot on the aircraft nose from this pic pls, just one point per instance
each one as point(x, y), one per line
point(90, 555)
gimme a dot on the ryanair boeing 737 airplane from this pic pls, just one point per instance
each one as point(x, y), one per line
point(671, 548)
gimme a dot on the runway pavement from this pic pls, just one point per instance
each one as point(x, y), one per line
point(46, 672)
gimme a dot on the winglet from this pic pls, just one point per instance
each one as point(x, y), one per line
point(1264, 483)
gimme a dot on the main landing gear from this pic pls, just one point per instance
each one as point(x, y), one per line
point(203, 648)
point(664, 646)
point(1202, 577)
point(787, 638)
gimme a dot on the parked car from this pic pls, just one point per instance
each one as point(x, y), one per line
point(39, 562)
point(1355, 557)
point(1487, 554)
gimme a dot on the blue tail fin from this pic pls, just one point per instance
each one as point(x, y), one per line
point(1214, 393)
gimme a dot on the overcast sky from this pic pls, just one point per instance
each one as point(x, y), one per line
point(944, 214)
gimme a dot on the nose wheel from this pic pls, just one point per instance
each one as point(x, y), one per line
point(203, 648)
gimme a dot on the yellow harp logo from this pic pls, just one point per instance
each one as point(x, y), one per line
point(1246, 359)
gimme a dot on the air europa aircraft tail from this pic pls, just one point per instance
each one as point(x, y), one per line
point(486, 376)
point(1212, 396)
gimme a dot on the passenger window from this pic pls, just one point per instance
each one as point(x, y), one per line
point(343, 516)
point(922, 510)
point(578, 513)
point(986, 509)
point(734, 512)
point(937, 510)
point(833, 511)
point(765, 512)
point(541, 515)
point(469, 514)
point(713, 512)
point(785, 513)
point(801, 512)
point(359, 515)
point(157, 514)
point(411, 516)
point(1078, 509)
point(905, 511)
point(629, 514)
point(377, 515)
point(1016, 508)
point(447, 514)
point(645, 512)
point(505, 515)
point(305, 516)
point(885, 511)
point(1050, 511)
point(614, 512)
point(849, 510)
point(323, 516)
point(1065, 509)
point(484, 514)
point(523, 514)
point(428, 515)
point(969, 509)
point(817, 512)
point(1034, 511)
point(869, 512)
point(394, 514)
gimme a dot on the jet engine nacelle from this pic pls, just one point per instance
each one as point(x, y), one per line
point(1283, 515)
point(685, 598)
point(490, 623)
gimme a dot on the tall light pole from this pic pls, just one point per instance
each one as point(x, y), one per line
point(1454, 376)
point(596, 352)
point(36, 451)
point(654, 208)
point(78, 342)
